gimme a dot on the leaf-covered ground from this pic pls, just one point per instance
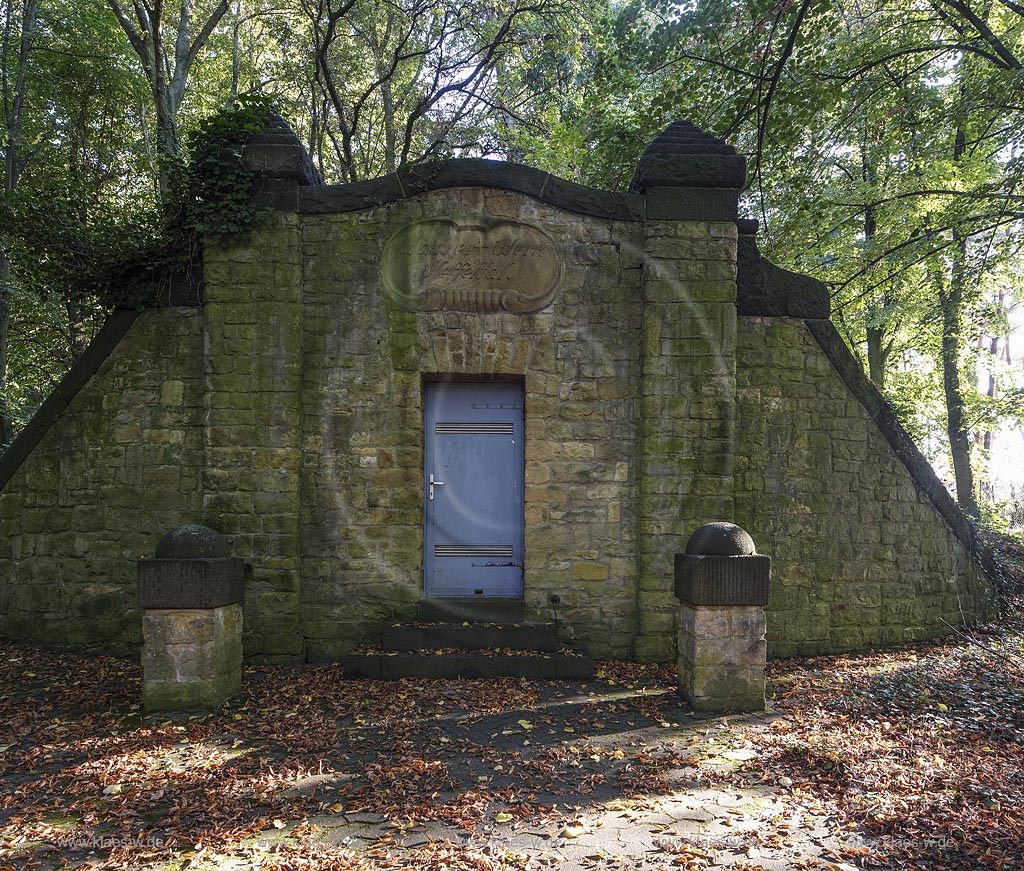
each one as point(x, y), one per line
point(904, 759)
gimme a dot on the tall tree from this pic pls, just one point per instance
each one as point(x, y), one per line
point(410, 80)
point(845, 110)
point(150, 31)
point(72, 169)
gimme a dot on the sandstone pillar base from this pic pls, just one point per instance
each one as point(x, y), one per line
point(191, 658)
point(722, 656)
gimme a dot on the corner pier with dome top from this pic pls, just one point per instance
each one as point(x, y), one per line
point(475, 384)
point(722, 584)
point(190, 594)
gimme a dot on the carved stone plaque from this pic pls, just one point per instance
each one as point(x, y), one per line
point(477, 264)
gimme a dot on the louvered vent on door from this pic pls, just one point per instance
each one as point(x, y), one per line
point(456, 427)
point(474, 550)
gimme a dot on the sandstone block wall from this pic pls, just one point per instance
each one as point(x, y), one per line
point(287, 413)
point(687, 394)
point(121, 464)
point(252, 369)
point(366, 361)
point(860, 556)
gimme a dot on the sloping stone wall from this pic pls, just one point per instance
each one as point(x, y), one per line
point(119, 465)
point(860, 556)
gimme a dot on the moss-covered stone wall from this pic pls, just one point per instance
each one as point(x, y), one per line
point(122, 464)
point(860, 556)
point(366, 361)
point(252, 370)
point(287, 413)
point(687, 396)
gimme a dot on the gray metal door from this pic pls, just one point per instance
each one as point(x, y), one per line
point(473, 480)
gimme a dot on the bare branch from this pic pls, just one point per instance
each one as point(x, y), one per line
point(1006, 57)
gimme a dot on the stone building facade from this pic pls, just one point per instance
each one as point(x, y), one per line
point(666, 376)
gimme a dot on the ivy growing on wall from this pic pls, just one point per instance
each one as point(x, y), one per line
point(217, 185)
point(209, 195)
point(131, 260)
point(69, 256)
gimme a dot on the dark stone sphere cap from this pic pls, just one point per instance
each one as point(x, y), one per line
point(720, 539)
point(193, 541)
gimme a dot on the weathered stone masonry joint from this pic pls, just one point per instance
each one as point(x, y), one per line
point(669, 375)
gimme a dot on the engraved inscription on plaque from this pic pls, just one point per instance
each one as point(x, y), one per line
point(477, 264)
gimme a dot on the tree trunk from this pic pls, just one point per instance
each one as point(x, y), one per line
point(878, 351)
point(235, 59)
point(952, 329)
point(13, 121)
point(167, 84)
point(956, 425)
point(77, 338)
point(387, 95)
point(6, 427)
point(992, 388)
point(390, 133)
point(166, 124)
point(878, 356)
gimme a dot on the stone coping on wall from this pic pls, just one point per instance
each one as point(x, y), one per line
point(660, 204)
point(762, 288)
point(471, 172)
point(685, 174)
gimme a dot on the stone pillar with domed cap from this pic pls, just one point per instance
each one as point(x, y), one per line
point(687, 174)
point(191, 594)
point(280, 165)
point(722, 586)
point(691, 183)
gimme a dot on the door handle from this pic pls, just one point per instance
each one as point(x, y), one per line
point(434, 484)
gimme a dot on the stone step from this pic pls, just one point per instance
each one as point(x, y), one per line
point(470, 609)
point(571, 664)
point(472, 636)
